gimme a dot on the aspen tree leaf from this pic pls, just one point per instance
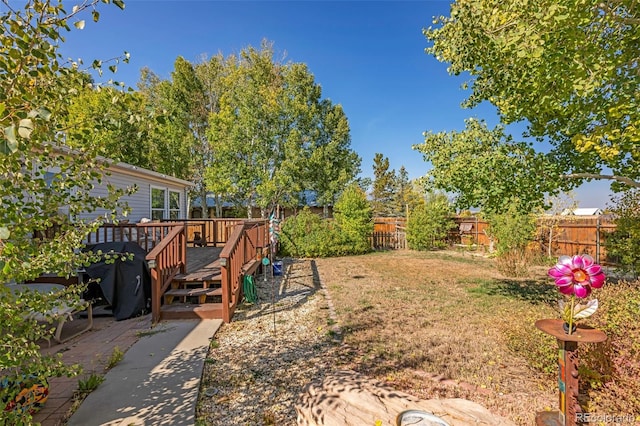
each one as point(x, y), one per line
point(10, 136)
point(79, 24)
point(25, 128)
point(4, 233)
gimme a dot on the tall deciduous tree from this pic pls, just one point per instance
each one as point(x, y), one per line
point(115, 119)
point(274, 137)
point(40, 177)
point(332, 163)
point(169, 139)
point(570, 69)
point(194, 103)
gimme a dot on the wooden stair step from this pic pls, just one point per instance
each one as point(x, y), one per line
point(182, 292)
point(192, 311)
point(201, 293)
point(201, 276)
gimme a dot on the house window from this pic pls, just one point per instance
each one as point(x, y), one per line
point(174, 205)
point(158, 203)
point(165, 204)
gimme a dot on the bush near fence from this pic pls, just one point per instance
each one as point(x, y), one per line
point(568, 234)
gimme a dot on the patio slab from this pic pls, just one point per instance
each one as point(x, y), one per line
point(157, 381)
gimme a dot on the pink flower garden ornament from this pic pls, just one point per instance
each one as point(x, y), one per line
point(575, 276)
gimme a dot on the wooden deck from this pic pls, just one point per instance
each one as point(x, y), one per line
point(190, 281)
point(199, 257)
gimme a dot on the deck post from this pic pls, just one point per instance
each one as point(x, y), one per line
point(155, 293)
point(183, 249)
point(224, 282)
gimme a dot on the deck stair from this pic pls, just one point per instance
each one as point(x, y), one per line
point(195, 295)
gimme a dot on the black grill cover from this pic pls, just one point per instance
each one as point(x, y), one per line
point(125, 284)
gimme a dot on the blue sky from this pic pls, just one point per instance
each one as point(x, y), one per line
point(367, 56)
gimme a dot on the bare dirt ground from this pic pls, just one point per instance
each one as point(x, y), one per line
point(429, 324)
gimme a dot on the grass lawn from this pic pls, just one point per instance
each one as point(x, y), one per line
point(447, 324)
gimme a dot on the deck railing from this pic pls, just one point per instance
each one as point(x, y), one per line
point(147, 235)
point(165, 244)
point(166, 260)
point(216, 232)
point(246, 242)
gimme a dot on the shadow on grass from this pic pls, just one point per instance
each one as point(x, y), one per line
point(532, 291)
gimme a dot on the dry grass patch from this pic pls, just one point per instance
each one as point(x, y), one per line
point(439, 325)
point(434, 325)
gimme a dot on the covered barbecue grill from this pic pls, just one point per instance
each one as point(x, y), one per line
point(125, 283)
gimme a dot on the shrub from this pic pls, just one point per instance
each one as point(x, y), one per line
point(308, 235)
point(624, 243)
point(353, 215)
point(428, 224)
point(512, 231)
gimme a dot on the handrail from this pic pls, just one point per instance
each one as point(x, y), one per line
point(243, 245)
point(166, 260)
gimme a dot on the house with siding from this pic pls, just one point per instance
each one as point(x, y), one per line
point(158, 196)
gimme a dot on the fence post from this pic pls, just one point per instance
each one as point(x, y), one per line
point(598, 239)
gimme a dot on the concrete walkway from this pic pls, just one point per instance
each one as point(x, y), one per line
point(157, 381)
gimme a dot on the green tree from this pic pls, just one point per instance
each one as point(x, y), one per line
point(122, 121)
point(406, 195)
point(429, 223)
point(382, 194)
point(486, 168)
point(245, 132)
point(332, 163)
point(44, 182)
point(190, 92)
point(353, 216)
point(274, 137)
point(169, 140)
point(570, 69)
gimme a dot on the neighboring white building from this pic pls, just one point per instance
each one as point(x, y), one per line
point(588, 211)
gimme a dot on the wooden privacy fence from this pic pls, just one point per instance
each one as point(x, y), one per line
point(576, 235)
point(555, 236)
point(389, 233)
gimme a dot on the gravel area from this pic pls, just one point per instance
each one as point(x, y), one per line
point(258, 364)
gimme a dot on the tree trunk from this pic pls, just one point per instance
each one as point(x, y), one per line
point(218, 206)
point(203, 197)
